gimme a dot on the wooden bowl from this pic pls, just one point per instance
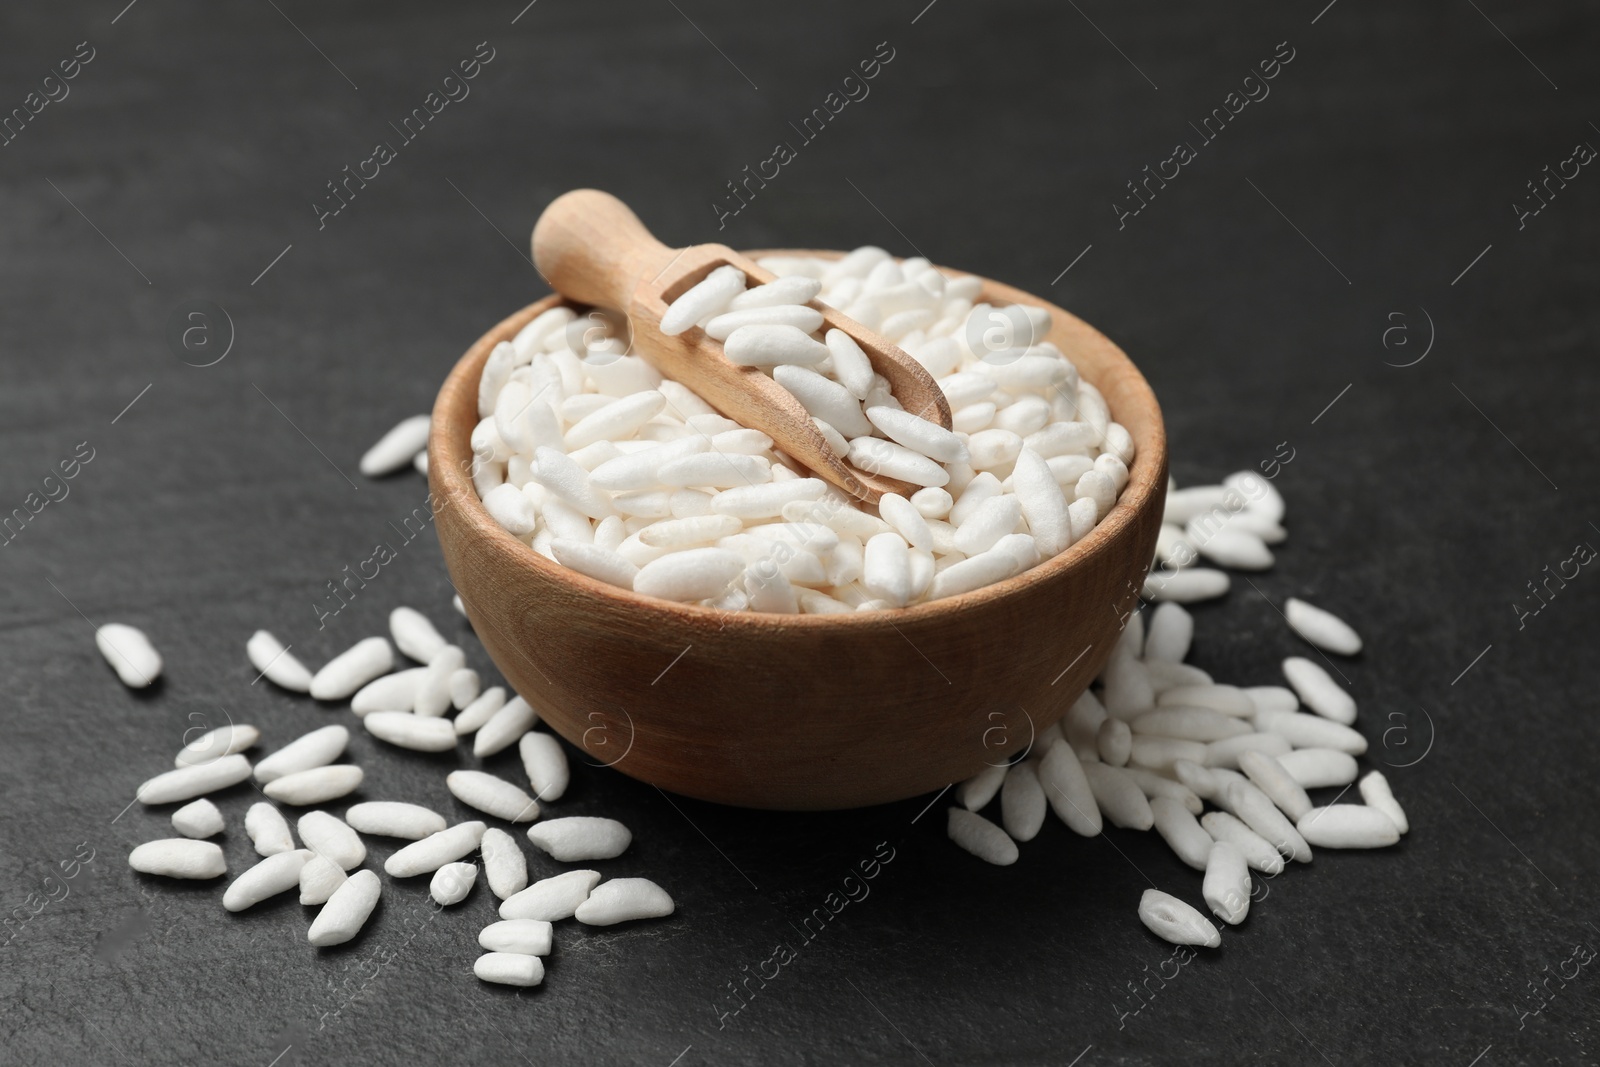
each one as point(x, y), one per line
point(802, 712)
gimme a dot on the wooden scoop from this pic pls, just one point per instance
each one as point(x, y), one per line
point(593, 249)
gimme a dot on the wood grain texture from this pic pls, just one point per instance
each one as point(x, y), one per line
point(801, 712)
point(592, 248)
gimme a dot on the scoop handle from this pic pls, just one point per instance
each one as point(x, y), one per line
point(591, 248)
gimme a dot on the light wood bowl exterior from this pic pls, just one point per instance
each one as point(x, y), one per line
point(802, 712)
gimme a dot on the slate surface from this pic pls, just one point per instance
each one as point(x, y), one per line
point(1373, 190)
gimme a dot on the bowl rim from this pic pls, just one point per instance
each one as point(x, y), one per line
point(450, 486)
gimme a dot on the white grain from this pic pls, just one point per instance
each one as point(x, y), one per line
point(268, 878)
point(316, 786)
point(130, 654)
point(850, 364)
point(411, 731)
point(551, 899)
point(981, 837)
point(617, 421)
point(1185, 586)
point(352, 669)
point(1256, 811)
point(414, 634)
point(766, 500)
point(515, 718)
point(505, 868)
point(772, 346)
point(186, 783)
point(214, 744)
point(464, 686)
point(1043, 504)
point(1257, 851)
point(1348, 826)
point(1181, 831)
point(1192, 501)
point(1155, 785)
point(1272, 698)
point(1161, 753)
point(1120, 799)
point(715, 470)
point(328, 835)
point(1197, 777)
point(529, 937)
point(878, 456)
point(315, 749)
point(578, 838)
point(179, 857)
point(492, 795)
point(198, 819)
point(509, 968)
point(1375, 791)
point(1081, 724)
point(346, 911)
point(267, 829)
point(480, 711)
point(695, 574)
point(886, 569)
point(545, 763)
point(392, 692)
point(1022, 802)
point(825, 399)
point(1231, 547)
point(1163, 675)
point(624, 900)
point(435, 850)
point(641, 470)
point(979, 571)
point(598, 563)
point(319, 878)
point(976, 792)
point(1312, 731)
point(1114, 742)
point(396, 449)
point(932, 502)
point(1226, 753)
point(1321, 628)
point(796, 289)
point(452, 882)
point(1176, 922)
point(1277, 783)
point(1318, 768)
point(1068, 790)
point(1189, 724)
point(569, 482)
point(1318, 691)
point(1260, 496)
point(1128, 691)
point(707, 297)
point(272, 658)
point(393, 818)
point(917, 433)
point(1226, 699)
point(433, 688)
point(1227, 883)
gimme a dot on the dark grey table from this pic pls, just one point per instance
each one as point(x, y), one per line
point(1351, 270)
